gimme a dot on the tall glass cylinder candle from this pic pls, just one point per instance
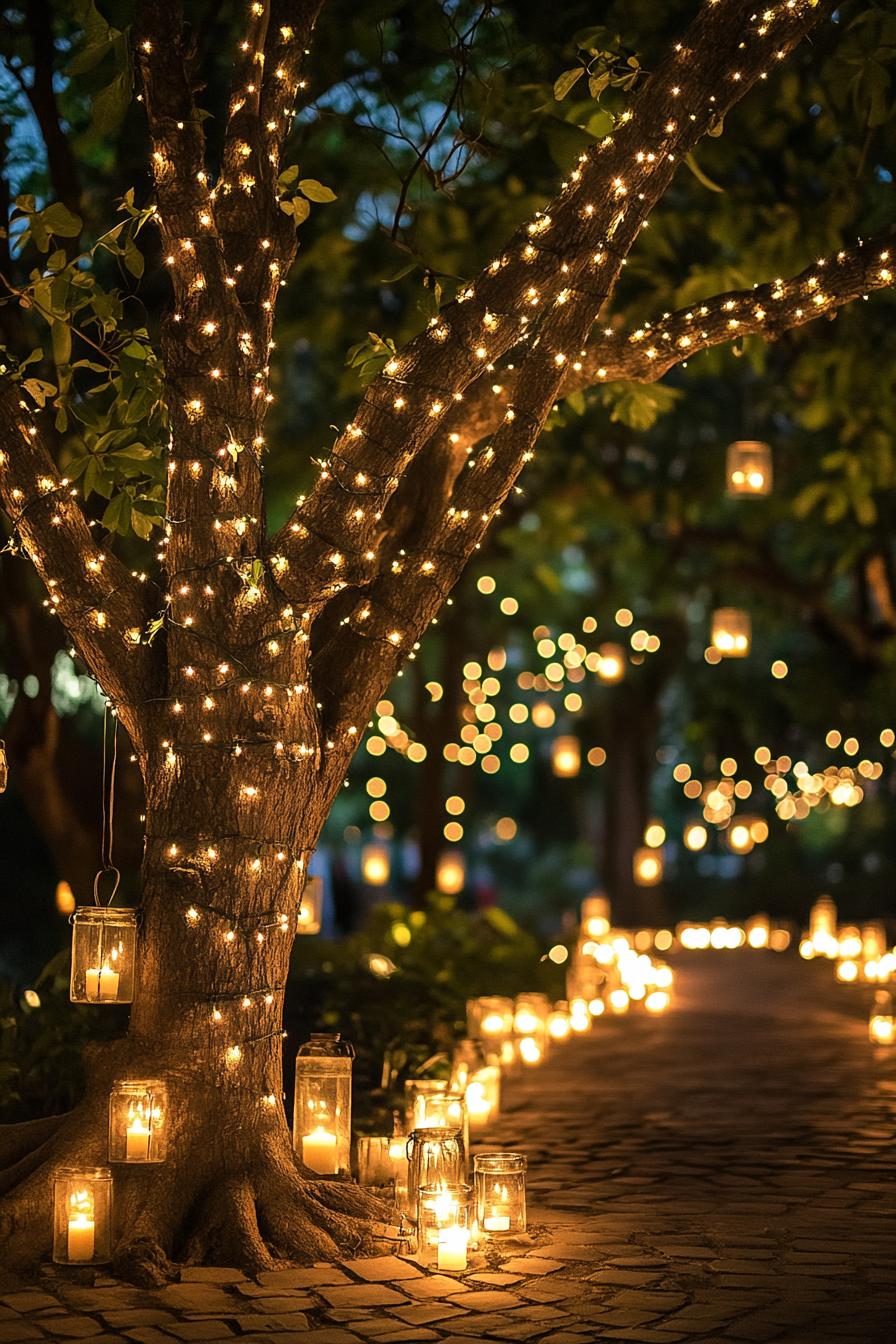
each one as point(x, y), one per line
point(443, 1226)
point(483, 1096)
point(322, 1119)
point(374, 1164)
point(531, 1012)
point(104, 953)
point(82, 1216)
point(138, 1121)
point(500, 1185)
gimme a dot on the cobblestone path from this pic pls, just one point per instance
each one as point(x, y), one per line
point(725, 1173)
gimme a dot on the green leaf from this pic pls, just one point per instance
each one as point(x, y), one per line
point(110, 105)
point(61, 335)
point(567, 81)
point(61, 221)
point(133, 259)
point(39, 390)
point(117, 516)
point(316, 191)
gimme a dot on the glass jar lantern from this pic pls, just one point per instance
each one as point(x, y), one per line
point(138, 1121)
point(436, 1156)
point(310, 914)
point(490, 1020)
point(748, 468)
point(483, 1096)
point(82, 1216)
point(530, 1018)
point(500, 1185)
point(374, 1164)
point(882, 1023)
point(421, 1107)
point(443, 1226)
point(322, 1119)
point(104, 954)
point(731, 632)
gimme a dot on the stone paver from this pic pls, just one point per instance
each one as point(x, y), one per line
point(723, 1174)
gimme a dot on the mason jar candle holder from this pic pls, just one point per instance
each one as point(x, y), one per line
point(748, 468)
point(469, 1055)
point(490, 1020)
point(531, 1012)
point(443, 1226)
point(881, 1022)
point(82, 1216)
point(731, 632)
point(374, 1164)
point(310, 913)
point(500, 1188)
point(436, 1156)
point(421, 1106)
point(104, 954)
point(322, 1118)
point(483, 1096)
point(138, 1121)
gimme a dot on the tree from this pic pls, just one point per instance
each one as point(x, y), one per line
point(246, 679)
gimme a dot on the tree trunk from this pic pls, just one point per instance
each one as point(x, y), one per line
point(220, 894)
point(631, 736)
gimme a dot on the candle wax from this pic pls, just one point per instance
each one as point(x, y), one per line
point(496, 1222)
point(452, 1248)
point(81, 1238)
point(102, 984)
point(319, 1152)
point(137, 1136)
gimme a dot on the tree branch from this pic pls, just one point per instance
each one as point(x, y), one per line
point(649, 352)
point(566, 262)
point(103, 606)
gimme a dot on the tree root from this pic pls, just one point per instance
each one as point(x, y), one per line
point(17, 1141)
point(254, 1210)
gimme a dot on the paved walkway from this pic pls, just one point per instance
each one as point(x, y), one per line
point(725, 1173)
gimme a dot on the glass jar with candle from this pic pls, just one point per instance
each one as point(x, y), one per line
point(310, 913)
point(500, 1185)
point(104, 953)
point(322, 1119)
point(490, 1019)
point(419, 1094)
point(469, 1055)
point(436, 1156)
point(531, 1012)
point(483, 1096)
point(443, 1226)
point(882, 1023)
point(82, 1216)
point(374, 1163)
point(138, 1121)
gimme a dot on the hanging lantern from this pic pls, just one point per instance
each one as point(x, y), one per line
point(611, 662)
point(104, 952)
point(322, 1120)
point(138, 1121)
point(882, 1023)
point(500, 1186)
point(310, 913)
point(566, 757)
point(82, 1216)
point(451, 872)
point(731, 632)
point(375, 865)
point(443, 1226)
point(749, 468)
point(647, 867)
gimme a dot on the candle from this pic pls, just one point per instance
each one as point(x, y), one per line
point(81, 1227)
point(102, 983)
point(496, 1222)
point(319, 1152)
point(452, 1248)
point(882, 1030)
point(137, 1137)
point(479, 1106)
